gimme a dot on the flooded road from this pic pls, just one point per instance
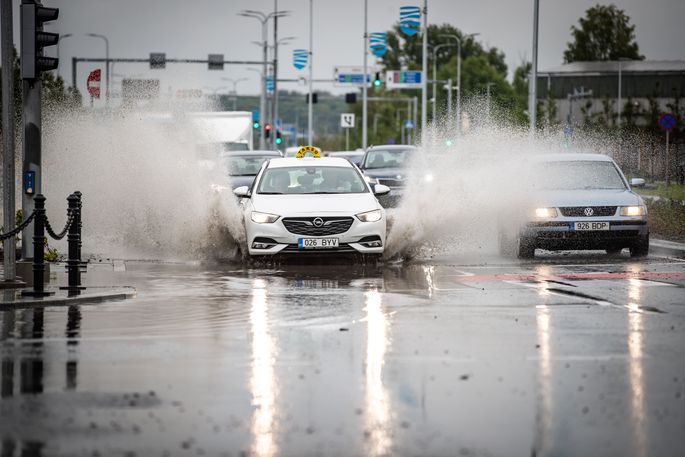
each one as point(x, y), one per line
point(565, 355)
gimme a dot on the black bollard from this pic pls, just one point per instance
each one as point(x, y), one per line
point(79, 225)
point(73, 240)
point(38, 249)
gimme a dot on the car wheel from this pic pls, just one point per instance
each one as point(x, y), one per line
point(641, 248)
point(613, 250)
point(525, 248)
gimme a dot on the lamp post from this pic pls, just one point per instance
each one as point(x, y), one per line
point(97, 35)
point(61, 37)
point(435, 83)
point(456, 37)
point(234, 92)
point(310, 105)
point(533, 81)
point(620, 92)
point(424, 69)
point(263, 19)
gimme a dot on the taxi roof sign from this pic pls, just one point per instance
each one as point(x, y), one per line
point(304, 150)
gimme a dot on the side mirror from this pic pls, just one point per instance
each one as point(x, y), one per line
point(242, 192)
point(637, 182)
point(380, 189)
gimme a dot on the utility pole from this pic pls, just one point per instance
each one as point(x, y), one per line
point(310, 107)
point(8, 138)
point(532, 82)
point(274, 105)
point(449, 101)
point(365, 102)
point(424, 70)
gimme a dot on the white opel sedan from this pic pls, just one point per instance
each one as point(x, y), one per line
point(312, 205)
point(576, 202)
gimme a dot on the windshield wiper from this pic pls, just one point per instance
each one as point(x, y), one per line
point(270, 193)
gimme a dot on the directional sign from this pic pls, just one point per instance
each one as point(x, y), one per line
point(93, 83)
point(351, 76)
point(403, 79)
point(347, 120)
point(667, 121)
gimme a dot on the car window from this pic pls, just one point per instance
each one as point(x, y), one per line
point(387, 158)
point(311, 180)
point(572, 175)
point(245, 165)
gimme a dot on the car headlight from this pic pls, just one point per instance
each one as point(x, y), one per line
point(544, 213)
point(263, 218)
point(370, 216)
point(636, 210)
point(370, 180)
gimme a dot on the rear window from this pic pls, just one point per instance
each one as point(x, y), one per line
point(387, 158)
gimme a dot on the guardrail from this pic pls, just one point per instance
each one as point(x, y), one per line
point(72, 230)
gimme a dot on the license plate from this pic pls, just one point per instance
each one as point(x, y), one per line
point(317, 243)
point(590, 226)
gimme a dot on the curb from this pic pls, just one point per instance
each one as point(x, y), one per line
point(60, 298)
point(667, 248)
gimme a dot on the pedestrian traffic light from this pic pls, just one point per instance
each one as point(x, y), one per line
point(33, 40)
point(377, 79)
point(278, 139)
point(267, 130)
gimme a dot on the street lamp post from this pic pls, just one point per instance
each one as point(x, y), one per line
point(365, 102)
point(424, 69)
point(435, 83)
point(61, 37)
point(263, 19)
point(310, 105)
point(234, 92)
point(456, 37)
point(97, 35)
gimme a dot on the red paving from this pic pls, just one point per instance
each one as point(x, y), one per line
point(573, 276)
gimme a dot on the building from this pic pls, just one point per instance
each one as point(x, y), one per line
point(582, 92)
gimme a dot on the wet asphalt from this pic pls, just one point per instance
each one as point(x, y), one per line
point(565, 355)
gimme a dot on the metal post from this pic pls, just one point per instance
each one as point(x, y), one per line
point(39, 250)
point(262, 100)
point(449, 101)
point(365, 101)
point(435, 99)
point(10, 266)
point(532, 82)
point(347, 139)
point(31, 154)
point(668, 168)
point(73, 238)
point(74, 62)
point(424, 69)
point(274, 105)
point(412, 132)
point(458, 86)
point(310, 107)
point(618, 108)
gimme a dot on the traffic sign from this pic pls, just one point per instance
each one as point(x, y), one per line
point(568, 131)
point(347, 120)
point(93, 83)
point(403, 79)
point(667, 121)
point(351, 76)
point(408, 124)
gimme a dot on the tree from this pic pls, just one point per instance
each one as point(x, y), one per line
point(605, 33)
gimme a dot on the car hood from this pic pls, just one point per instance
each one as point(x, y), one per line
point(313, 204)
point(590, 197)
point(391, 173)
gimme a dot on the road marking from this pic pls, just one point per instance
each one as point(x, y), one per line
point(648, 275)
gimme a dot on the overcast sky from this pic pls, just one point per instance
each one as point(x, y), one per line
point(193, 29)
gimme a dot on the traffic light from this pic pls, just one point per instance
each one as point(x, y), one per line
point(33, 40)
point(255, 125)
point(278, 139)
point(315, 97)
point(267, 130)
point(351, 98)
point(377, 79)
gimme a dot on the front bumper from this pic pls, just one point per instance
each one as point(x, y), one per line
point(559, 233)
point(354, 240)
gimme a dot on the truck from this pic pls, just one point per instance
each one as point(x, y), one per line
point(222, 130)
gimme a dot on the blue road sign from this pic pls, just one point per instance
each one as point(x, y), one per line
point(668, 121)
point(300, 58)
point(408, 124)
point(269, 84)
point(568, 131)
point(353, 78)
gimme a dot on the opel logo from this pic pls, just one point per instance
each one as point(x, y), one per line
point(588, 212)
point(318, 222)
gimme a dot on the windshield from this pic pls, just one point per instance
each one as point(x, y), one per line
point(311, 180)
point(569, 175)
point(387, 158)
point(245, 165)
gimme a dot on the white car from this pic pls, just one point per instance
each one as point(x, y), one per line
point(312, 205)
point(576, 201)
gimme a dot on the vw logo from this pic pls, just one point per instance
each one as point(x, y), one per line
point(588, 212)
point(318, 222)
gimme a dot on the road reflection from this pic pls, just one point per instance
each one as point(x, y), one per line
point(263, 383)
point(377, 400)
point(635, 364)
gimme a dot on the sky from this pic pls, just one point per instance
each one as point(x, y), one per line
point(193, 29)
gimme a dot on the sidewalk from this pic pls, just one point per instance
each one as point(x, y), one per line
point(667, 248)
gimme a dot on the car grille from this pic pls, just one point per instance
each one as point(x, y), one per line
point(391, 182)
point(305, 225)
point(342, 247)
point(579, 211)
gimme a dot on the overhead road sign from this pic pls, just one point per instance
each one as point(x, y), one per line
point(347, 120)
point(351, 76)
point(403, 79)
